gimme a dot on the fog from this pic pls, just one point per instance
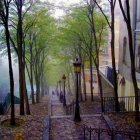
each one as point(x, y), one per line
point(4, 75)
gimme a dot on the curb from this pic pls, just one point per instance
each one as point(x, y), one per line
point(46, 135)
point(47, 124)
point(109, 122)
point(112, 127)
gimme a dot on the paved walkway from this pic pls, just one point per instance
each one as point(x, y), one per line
point(57, 108)
point(67, 129)
point(64, 128)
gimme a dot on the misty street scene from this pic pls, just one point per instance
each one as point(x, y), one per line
point(69, 69)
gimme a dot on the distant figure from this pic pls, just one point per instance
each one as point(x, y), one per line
point(52, 92)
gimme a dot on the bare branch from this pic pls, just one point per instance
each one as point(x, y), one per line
point(123, 12)
point(31, 3)
point(100, 38)
point(114, 3)
point(13, 43)
point(103, 13)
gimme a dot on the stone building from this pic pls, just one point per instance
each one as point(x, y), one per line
point(125, 85)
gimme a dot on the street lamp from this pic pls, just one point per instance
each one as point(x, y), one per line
point(77, 70)
point(64, 100)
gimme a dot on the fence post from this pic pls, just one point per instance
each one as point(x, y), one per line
point(84, 133)
point(135, 134)
point(112, 134)
point(99, 134)
point(90, 132)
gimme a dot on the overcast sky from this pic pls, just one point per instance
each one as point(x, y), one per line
point(59, 11)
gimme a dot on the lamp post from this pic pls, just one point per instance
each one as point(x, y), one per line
point(60, 89)
point(77, 70)
point(64, 99)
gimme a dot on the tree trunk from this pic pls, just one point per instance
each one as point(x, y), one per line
point(37, 91)
point(96, 60)
point(117, 108)
point(42, 86)
point(84, 82)
point(91, 77)
point(132, 58)
point(20, 57)
point(80, 87)
point(133, 73)
point(31, 70)
point(100, 88)
point(27, 102)
point(26, 95)
point(24, 82)
point(21, 87)
point(12, 121)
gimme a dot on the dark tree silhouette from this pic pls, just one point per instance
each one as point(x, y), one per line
point(127, 18)
point(4, 17)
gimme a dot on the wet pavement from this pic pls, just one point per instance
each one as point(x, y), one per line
point(67, 129)
point(64, 128)
point(57, 108)
point(48, 120)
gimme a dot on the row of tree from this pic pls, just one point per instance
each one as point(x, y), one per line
point(83, 34)
point(28, 32)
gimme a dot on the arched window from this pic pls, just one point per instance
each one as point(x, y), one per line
point(124, 49)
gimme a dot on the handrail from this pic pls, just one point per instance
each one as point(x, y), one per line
point(126, 103)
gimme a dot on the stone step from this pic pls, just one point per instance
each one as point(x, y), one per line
point(69, 116)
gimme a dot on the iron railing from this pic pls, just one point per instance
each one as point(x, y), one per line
point(107, 134)
point(127, 104)
point(7, 102)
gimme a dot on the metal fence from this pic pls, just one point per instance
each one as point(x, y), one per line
point(126, 104)
point(7, 102)
point(107, 134)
